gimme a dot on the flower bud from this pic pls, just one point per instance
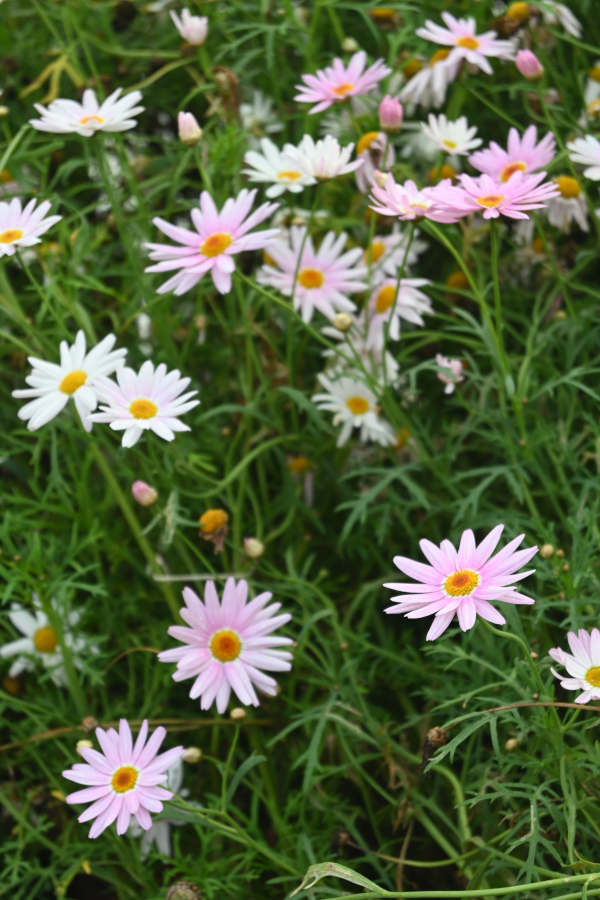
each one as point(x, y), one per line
point(511, 744)
point(349, 45)
point(342, 321)
point(191, 754)
point(183, 890)
point(237, 713)
point(143, 493)
point(213, 520)
point(189, 130)
point(83, 745)
point(192, 29)
point(546, 551)
point(391, 113)
point(253, 548)
point(529, 65)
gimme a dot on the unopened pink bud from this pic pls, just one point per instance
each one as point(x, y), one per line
point(143, 493)
point(391, 113)
point(529, 65)
point(192, 29)
point(188, 128)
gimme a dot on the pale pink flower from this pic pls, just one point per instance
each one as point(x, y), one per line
point(229, 645)
point(492, 198)
point(450, 372)
point(392, 301)
point(391, 113)
point(461, 35)
point(149, 400)
point(325, 276)
point(529, 65)
point(143, 493)
point(407, 202)
point(523, 154)
point(210, 248)
point(188, 129)
point(582, 664)
point(124, 780)
point(192, 29)
point(461, 581)
point(22, 227)
point(337, 82)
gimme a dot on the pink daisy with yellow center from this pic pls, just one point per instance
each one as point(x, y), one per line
point(337, 82)
point(523, 154)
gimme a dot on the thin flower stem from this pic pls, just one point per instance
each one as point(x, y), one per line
point(225, 772)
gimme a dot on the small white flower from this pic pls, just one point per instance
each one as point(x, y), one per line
point(277, 168)
point(450, 372)
point(454, 137)
point(568, 206)
point(386, 253)
point(192, 29)
point(149, 400)
point(324, 158)
point(23, 227)
point(86, 118)
point(391, 302)
point(259, 118)
point(554, 13)
point(428, 87)
point(39, 646)
point(586, 151)
point(354, 406)
point(76, 376)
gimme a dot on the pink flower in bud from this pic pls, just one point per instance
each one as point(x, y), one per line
point(188, 128)
point(143, 493)
point(391, 113)
point(529, 65)
point(192, 29)
point(450, 372)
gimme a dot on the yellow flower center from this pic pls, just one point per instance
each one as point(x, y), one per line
point(385, 298)
point(225, 645)
point(298, 464)
point(124, 779)
point(357, 405)
point(593, 107)
point(412, 67)
point(289, 174)
point(568, 187)
point(10, 235)
point(402, 438)
point(143, 409)
point(45, 640)
point(511, 168)
point(311, 278)
point(594, 73)
point(537, 245)
point(87, 119)
point(366, 141)
point(468, 42)
point(72, 381)
point(342, 89)
point(490, 200)
point(592, 676)
point(461, 583)
point(518, 12)
point(216, 243)
point(439, 56)
point(457, 279)
point(383, 12)
point(418, 204)
point(450, 145)
point(438, 172)
point(374, 252)
point(5, 176)
point(213, 520)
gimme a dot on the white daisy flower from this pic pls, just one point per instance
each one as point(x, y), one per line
point(159, 833)
point(259, 118)
point(70, 117)
point(586, 151)
point(582, 664)
point(428, 87)
point(451, 136)
point(354, 406)
point(377, 154)
point(354, 356)
point(277, 168)
point(39, 645)
point(324, 158)
point(391, 302)
point(554, 13)
point(23, 227)
point(76, 376)
point(591, 93)
point(568, 206)
point(149, 400)
point(386, 253)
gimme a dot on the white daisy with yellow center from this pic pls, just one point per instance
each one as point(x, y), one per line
point(569, 206)
point(116, 113)
point(354, 405)
point(455, 137)
point(76, 377)
point(275, 167)
point(22, 226)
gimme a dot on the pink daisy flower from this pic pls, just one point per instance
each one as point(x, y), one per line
point(151, 399)
point(407, 202)
point(22, 227)
point(228, 645)
point(582, 664)
point(492, 197)
point(124, 779)
point(466, 44)
point(523, 154)
point(462, 581)
point(336, 82)
point(210, 248)
point(324, 277)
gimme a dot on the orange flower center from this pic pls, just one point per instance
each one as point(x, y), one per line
point(124, 779)
point(357, 405)
point(439, 56)
point(311, 278)
point(385, 298)
point(592, 676)
point(87, 119)
point(213, 520)
point(143, 409)
point(343, 89)
point(10, 235)
point(461, 583)
point(45, 640)
point(468, 42)
point(216, 243)
point(225, 645)
point(366, 141)
point(5, 176)
point(457, 279)
point(289, 174)
point(374, 252)
point(298, 464)
point(72, 381)
point(568, 187)
point(490, 200)
point(594, 73)
point(511, 168)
